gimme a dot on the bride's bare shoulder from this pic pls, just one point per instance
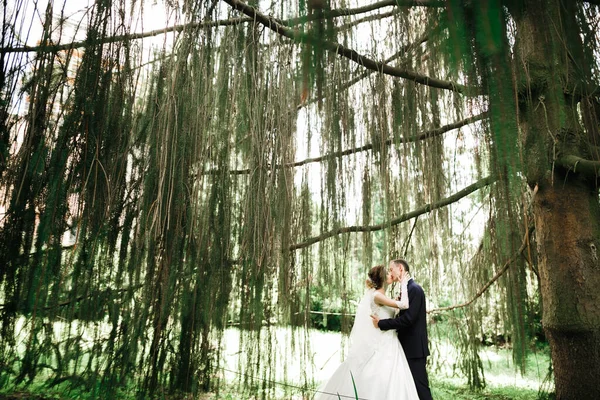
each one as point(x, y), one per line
point(380, 297)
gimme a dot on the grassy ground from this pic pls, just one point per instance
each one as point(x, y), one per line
point(443, 391)
point(502, 380)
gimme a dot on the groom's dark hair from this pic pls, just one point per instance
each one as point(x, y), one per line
point(403, 262)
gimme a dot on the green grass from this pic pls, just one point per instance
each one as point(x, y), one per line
point(442, 390)
point(503, 381)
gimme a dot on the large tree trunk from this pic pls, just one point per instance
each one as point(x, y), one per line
point(566, 206)
point(567, 217)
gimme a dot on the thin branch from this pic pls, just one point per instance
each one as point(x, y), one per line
point(49, 48)
point(576, 164)
point(584, 89)
point(369, 146)
point(350, 54)
point(88, 296)
point(532, 266)
point(93, 294)
point(404, 217)
point(368, 18)
point(344, 12)
point(405, 247)
point(328, 313)
point(485, 287)
point(63, 247)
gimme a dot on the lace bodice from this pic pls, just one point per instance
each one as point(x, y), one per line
point(386, 311)
point(382, 311)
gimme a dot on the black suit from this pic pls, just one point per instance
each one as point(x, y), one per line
point(411, 325)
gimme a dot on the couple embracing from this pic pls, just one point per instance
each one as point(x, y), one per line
point(380, 364)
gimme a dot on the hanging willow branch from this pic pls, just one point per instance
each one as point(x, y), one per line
point(405, 217)
point(481, 291)
point(350, 54)
point(502, 270)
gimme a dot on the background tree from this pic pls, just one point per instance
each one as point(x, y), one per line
point(149, 203)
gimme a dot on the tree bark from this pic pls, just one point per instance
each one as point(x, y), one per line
point(566, 206)
point(566, 217)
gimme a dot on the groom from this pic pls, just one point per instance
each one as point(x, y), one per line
point(411, 325)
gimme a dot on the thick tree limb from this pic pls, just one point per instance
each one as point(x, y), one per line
point(425, 135)
point(485, 287)
point(346, 52)
point(404, 217)
point(51, 48)
point(576, 164)
point(343, 12)
point(403, 50)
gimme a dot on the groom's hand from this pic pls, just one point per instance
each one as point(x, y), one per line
point(375, 320)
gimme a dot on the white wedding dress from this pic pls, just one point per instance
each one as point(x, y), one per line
point(375, 360)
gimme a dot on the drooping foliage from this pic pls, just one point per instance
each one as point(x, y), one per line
point(160, 188)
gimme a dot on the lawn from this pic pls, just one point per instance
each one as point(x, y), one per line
point(325, 353)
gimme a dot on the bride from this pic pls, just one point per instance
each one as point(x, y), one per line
point(376, 366)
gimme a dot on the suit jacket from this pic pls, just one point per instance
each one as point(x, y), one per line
point(411, 324)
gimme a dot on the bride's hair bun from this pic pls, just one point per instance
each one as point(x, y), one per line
point(376, 277)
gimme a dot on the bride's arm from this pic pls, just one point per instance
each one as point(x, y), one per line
point(403, 303)
point(408, 318)
point(383, 300)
